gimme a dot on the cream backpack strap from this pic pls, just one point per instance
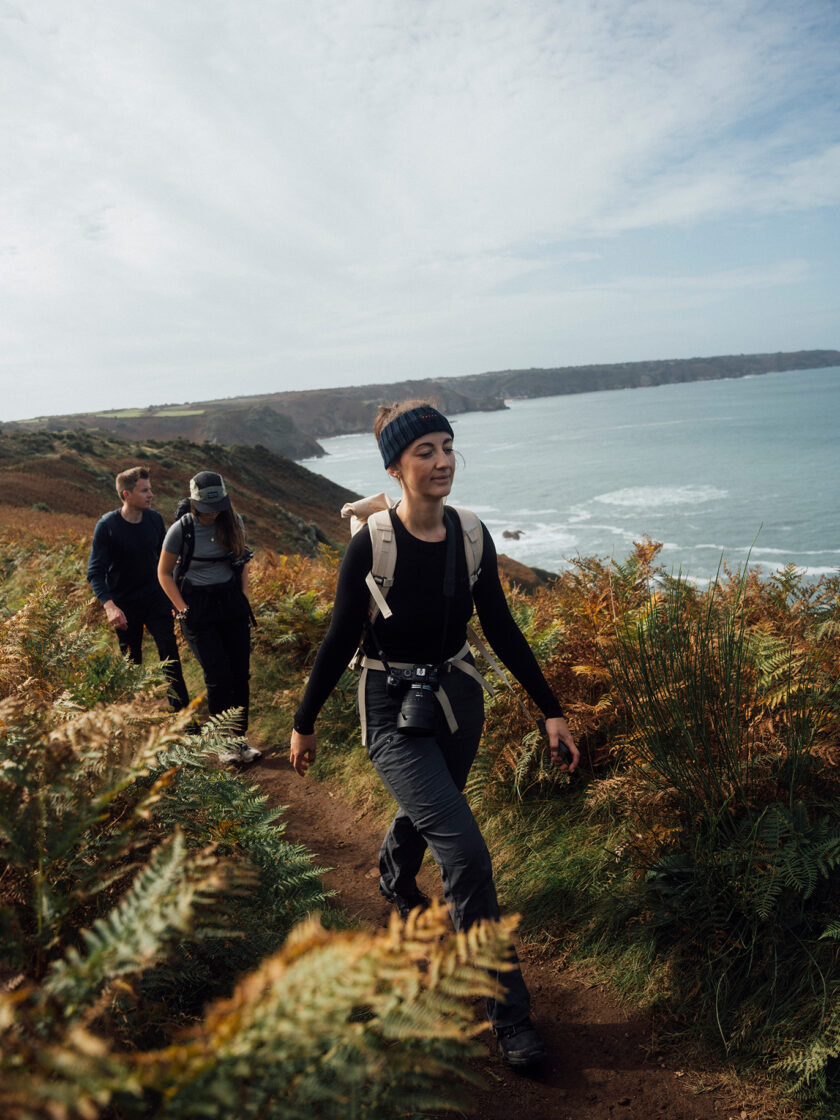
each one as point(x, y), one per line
point(477, 644)
point(380, 578)
point(373, 512)
point(473, 541)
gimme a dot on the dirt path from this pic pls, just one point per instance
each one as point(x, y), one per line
point(603, 1064)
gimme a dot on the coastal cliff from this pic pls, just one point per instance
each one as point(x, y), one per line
point(291, 422)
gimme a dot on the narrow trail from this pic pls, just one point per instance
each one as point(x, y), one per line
point(603, 1063)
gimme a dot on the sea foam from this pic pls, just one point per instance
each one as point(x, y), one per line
point(658, 497)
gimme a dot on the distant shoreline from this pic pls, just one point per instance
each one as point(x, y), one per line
point(709, 470)
point(291, 422)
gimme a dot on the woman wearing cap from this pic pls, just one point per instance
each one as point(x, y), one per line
point(426, 772)
point(210, 597)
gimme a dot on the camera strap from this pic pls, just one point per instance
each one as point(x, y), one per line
point(371, 633)
point(456, 661)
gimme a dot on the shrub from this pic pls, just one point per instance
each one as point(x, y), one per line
point(730, 738)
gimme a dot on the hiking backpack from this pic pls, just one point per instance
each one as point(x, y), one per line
point(375, 513)
point(184, 515)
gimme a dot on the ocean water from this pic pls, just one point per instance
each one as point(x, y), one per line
point(744, 470)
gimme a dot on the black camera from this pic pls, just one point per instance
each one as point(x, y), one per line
point(417, 687)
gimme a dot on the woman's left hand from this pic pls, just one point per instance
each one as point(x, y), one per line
point(558, 732)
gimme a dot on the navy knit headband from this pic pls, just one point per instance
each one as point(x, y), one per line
point(409, 426)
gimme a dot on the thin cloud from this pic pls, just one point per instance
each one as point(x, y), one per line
point(277, 193)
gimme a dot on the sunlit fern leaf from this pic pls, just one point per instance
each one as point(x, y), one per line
point(160, 907)
point(807, 1066)
point(295, 1022)
point(288, 1042)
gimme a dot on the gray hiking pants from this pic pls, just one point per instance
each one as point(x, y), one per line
point(426, 775)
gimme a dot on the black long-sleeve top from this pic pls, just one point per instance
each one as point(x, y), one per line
point(420, 630)
point(124, 557)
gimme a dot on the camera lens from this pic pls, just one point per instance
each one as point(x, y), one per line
point(417, 711)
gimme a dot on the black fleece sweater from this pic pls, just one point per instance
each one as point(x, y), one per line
point(420, 629)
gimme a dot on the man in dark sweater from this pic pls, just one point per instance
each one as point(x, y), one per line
point(122, 570)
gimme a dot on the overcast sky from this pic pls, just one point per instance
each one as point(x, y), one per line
point(204, 198)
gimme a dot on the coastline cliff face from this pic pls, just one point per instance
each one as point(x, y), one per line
point(527, 383)
point(345, 411)
point(290, 423)
point(233, 423)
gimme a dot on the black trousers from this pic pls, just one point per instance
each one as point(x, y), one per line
point(426, 775)
point(155, 614)
point(218, 631)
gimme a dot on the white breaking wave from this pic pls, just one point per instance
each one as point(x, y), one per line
point(798, 552)
point(659, 497)
point(614, 530)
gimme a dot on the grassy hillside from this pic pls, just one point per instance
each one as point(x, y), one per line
point(68, 479)
point(237, 421)
point(51, 481)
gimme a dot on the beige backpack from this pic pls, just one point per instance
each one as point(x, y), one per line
point(374, 512)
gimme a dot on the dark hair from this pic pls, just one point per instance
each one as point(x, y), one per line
point(128, 479)
point(229, 528)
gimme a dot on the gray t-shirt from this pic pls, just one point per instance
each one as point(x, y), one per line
point(210, 562)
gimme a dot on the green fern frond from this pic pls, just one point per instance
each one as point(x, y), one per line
point(807, 1065)
point(160, 907)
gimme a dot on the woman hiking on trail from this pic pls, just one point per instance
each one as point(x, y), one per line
point(209, 593)
point(420, 699)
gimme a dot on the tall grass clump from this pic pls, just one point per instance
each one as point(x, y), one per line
point(292, 597)
point(727, 771)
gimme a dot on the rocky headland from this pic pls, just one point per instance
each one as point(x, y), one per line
point(291, 422)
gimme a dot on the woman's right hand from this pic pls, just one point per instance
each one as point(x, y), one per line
point(302, 752)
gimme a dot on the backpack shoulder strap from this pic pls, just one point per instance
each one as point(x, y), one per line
point(380, 578)
point(187, 546)
point(473, 541)
point(373, 512)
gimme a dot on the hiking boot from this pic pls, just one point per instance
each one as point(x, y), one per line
point(520, 1044)
point(240, 753)
point(405, 903)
